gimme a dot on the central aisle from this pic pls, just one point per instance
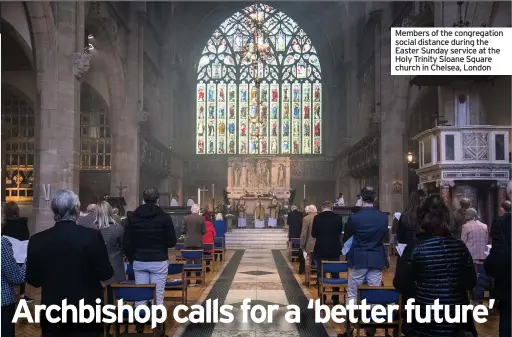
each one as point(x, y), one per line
point(257, 278)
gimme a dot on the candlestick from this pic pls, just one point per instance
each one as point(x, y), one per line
point(304, 191)
point(213, 191)
point(199, 196)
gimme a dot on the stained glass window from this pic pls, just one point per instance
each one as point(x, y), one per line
point(283, 115)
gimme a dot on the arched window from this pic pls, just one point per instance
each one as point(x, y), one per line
point(286, 118)
point(95, 131)
point(18, 134)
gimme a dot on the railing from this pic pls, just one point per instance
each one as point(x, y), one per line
point(464, 145)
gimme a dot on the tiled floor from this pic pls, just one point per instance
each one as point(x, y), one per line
point(256, 278)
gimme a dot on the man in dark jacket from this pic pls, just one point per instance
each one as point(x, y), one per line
point(497, 265)
point(68, 262)
point(294, 222)
point(147, 239)
point(367, 256)
point(327, 229)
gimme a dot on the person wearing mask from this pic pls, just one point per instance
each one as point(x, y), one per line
point(89, 219)
point(497, 265)
point(436, 266)
point(459, 217)
point(326, 230)
point(367, 256)
point(208, 238)
point(194, 227)
point(12, 275)
point(16, 227)
point(68, 262)
point(294, 221)
point(146, 241)
point(407, 226)
point(220, 228)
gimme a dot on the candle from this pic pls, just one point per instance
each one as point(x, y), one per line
point(213, 191)
point(199, 196)
point(304, 191)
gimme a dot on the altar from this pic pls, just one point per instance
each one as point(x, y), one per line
point(258, 179)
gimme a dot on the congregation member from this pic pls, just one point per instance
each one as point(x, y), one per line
point(220, 227)
point(326, 230)
point(126, 221)
point(16, 227)
point(12, 275)
point(68, 262)
point(497, 265)
point(112, 233)
point(146, 241)
point(459, 217)
point(90, 217)
point(273, 210)
point(475, 236)
point(115, 215)
point(294, 221)
point(340, 201)
point(407, 226)
point(194, 227)
point(436, 266)
point(208, 238)
point(367, 256)
point(307, 242)
point(241, 208)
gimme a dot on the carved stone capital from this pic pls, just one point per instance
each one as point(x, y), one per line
point(81, 64)
point(445, 183)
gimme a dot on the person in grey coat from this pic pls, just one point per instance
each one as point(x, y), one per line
point(112, 233)
point(194, 228)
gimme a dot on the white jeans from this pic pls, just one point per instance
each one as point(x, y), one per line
point(152, 273)
point(356, 277)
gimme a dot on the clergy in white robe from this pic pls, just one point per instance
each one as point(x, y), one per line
point(272, 220)
point(174, 202)
point(259, 215)
point(190, 202)
point(242, 219)
point(340, 201)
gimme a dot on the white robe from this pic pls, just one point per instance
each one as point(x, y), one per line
point(174, 202)
point(190, 202)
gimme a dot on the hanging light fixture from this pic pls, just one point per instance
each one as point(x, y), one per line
point(461, 23)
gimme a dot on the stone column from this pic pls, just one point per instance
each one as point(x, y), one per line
point(125, 135)
point(444, 191)
point(490, 209)
point(502, 195)
point(57, 130)
point(230, 175)
point(393, 101)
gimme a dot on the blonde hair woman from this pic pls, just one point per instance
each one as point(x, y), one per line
point(112, 233)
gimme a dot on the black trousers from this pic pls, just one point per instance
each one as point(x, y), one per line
point(505, 313)
point(302, 262)
point(7, 315)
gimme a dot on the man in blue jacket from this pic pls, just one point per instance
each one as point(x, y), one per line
point(367, 256)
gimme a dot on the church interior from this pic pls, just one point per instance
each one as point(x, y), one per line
point(109, 98)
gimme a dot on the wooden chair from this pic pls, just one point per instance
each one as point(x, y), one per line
point(326, 285)
point(176, 284)
point(193, 268)
point(209, 256)
point(130, 293)
point(293, 249)
point(129, 274)
point(310, 269)
point(220, 248)
point(179, 247)
point(383, 296)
